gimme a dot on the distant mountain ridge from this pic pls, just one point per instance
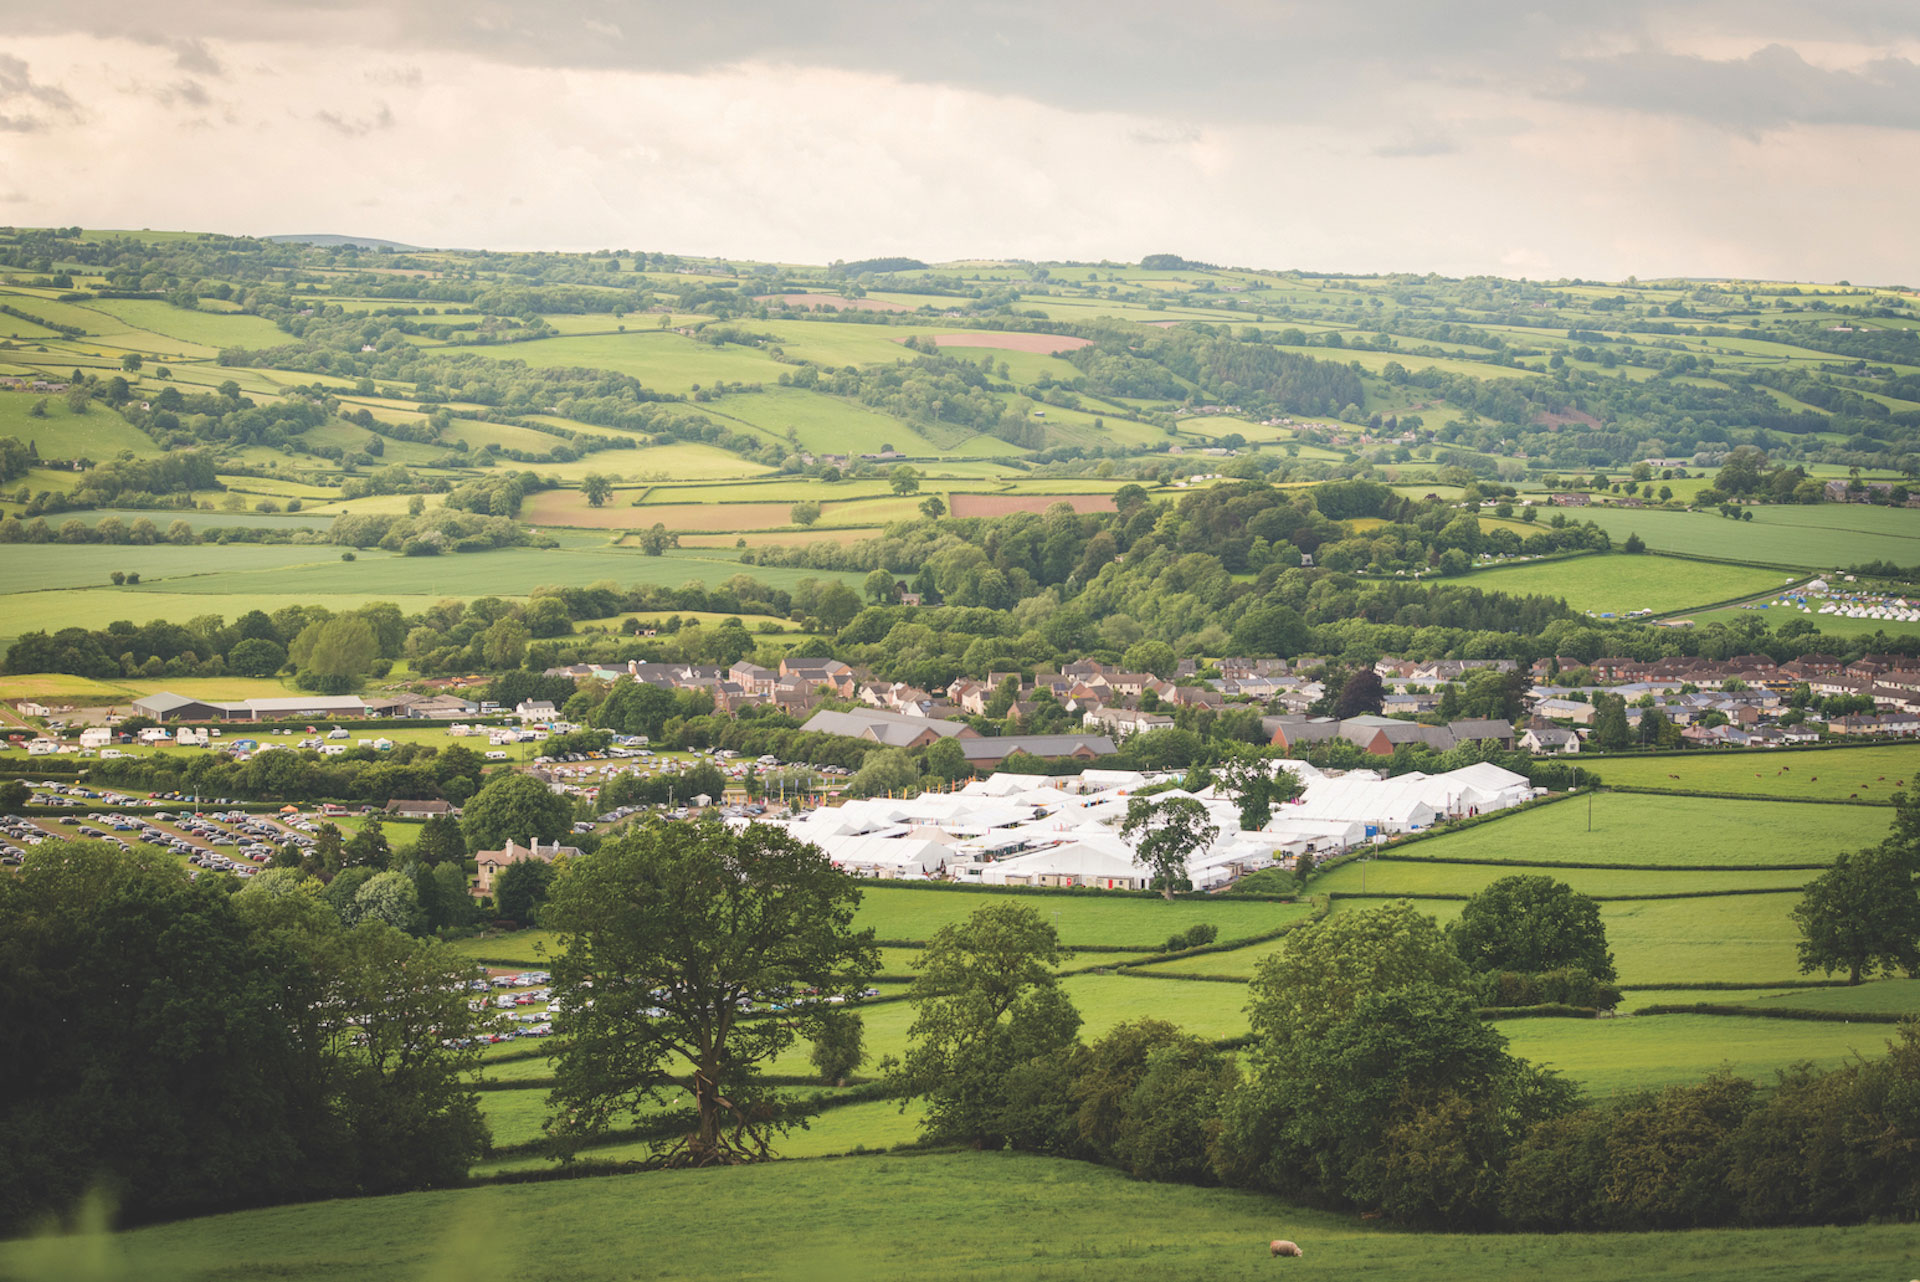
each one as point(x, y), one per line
point(334, 242)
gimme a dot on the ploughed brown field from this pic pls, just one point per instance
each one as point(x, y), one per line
point(1002, 504)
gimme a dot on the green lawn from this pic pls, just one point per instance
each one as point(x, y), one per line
point(905, 1217)
point(1629, 828)
point(1871, 773)
point(1616, 583)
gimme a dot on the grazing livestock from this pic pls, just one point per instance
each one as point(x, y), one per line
point(1281, 1246)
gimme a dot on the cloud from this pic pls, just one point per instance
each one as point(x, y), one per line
point(1772, 88)
point(27, 106)
point(404, 77)
point(1418, 142)
point(190, 53)
point(357, 128)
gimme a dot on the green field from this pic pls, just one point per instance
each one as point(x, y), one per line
point(1618, 583)
point(1632, 829)
point(256, 577)
point(906, 1217)
point(99, 434)
point(1081, 919)
point(1823, 537)
point(1398, 878)
point(1636, 1052)
point(662, 360)
point(1833, 774)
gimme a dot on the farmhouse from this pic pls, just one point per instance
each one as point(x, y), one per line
point(492, 862)
point(1550, 741)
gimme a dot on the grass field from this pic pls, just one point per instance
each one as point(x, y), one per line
point(260, 581)
point(99, 434)
point(1617, 583)
point(906, 1217)
point(1081, 919)
point(1833, 774)
point(1395, 878)
point(821, 423)
point(1636, 1052)
point(1826, 536)
point(662, 360)
point(1629, 829)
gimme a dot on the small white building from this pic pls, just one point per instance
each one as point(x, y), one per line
point(95, 737)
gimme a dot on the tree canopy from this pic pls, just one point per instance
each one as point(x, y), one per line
point(672, 941)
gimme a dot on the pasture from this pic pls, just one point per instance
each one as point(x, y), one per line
point(1636, 1052)
point(1082, 919)
point(883, 1218)
point(662, 360)
point(1834, 774)
point(98, 434)
point(1826, 536)
point(1616, 583)
point(1692, 831)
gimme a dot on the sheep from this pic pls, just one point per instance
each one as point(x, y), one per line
point(1280, 1246)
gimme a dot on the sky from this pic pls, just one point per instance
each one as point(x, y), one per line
point(1774, 139)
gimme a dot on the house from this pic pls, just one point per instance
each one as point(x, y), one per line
point(1545, 741)
point(492, 862)
point(534, 710)
point(989, 753)
point(419, 809)
point(894, 729)
point(1121, 722)
point(814, 673)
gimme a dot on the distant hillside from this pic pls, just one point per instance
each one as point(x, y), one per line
point(335, 242)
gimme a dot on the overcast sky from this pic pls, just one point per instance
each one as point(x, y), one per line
point(1770, 138)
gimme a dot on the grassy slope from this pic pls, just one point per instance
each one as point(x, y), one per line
point(1620, 583)
point(1873, 773)
point(903, 1217)
point(1629, 829)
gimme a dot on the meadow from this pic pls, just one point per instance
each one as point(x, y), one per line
point(1083, 920)
point(1836, 774)
point(1617, 583)
point(98, 434)
point(1688, 831)
point(1607, 1056)
point(1826, 536)
point(51, 596)
point(884, 1218)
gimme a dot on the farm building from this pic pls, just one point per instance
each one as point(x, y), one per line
point(177, 707)
point(419, 809)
